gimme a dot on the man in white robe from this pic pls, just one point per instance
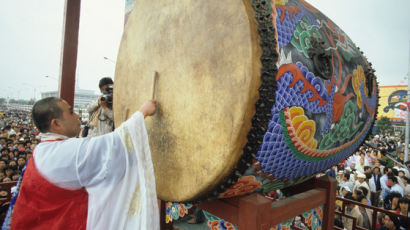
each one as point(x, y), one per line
point(114, 169)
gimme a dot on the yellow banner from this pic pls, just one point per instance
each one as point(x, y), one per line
point(393, 99)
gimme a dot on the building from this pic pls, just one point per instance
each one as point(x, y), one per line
point(82, 97)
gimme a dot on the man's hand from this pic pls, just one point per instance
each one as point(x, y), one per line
point(148, 108)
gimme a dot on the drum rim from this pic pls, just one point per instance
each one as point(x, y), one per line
point(269, 58)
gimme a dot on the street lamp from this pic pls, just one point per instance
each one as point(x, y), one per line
point(108, 59)
point(51, 77)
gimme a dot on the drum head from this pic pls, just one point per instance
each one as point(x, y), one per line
point(207, 55)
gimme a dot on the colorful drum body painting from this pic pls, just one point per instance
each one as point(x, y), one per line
point(325, 101)
point(253, 95)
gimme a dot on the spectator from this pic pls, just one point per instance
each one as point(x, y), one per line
point(365, 192)
point(404, 210)
point(3, 165)
point(395, 187)
point(346, 182)
point(391, 202)
point(406, 182)
point(390, 222)
point(361, 182)
point(3, 192)
point(366, 213)
point(100, 112)
point(383, 183)
point(344, 190)
point(352, 210)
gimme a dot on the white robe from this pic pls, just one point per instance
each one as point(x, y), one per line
point(115, 169)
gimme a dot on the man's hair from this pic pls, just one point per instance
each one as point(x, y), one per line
point(44, 111)
point(366, 168)
point(404, 200)
point(395, 171)
point(364, 190)
point(360, 198)
point(359, 192)
point(396, 221)
point(347, 175)
point(105, 81)
point(349, 196)
point(393, 179)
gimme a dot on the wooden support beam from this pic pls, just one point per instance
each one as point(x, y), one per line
point(256, 212)
point(328, 183)
point(68, 60)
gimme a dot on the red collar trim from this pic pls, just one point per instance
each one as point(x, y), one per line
point(58, 139)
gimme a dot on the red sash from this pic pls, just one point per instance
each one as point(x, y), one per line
point(42, 205)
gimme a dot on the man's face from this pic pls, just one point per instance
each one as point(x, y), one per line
point(404, 206)
point(3, 193)
point(401, 174)
point(9, 172)
point(103, 88)
point(364, 201)
point(21, 161)
point(69, 119)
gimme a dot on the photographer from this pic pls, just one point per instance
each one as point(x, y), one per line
point(100, 112)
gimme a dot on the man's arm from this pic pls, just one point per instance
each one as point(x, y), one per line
point(108, 113)
point(92, 107)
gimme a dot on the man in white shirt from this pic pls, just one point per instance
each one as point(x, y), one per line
point(395, 187)
point(105, 182)
point(383, 183)
point(346, 182)
point(361, 181)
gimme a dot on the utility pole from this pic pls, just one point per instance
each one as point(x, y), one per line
point(406, 148)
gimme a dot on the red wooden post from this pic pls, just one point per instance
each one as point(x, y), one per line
point(329, 184)
point(68, 61)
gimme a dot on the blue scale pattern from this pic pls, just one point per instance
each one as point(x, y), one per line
point(286, 27)
point(274, 154)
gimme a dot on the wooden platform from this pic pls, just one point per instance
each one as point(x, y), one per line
point(256, 212)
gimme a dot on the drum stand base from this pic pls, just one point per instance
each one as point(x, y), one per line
point(256, 212)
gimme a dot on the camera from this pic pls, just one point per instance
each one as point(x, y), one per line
point(108, 96)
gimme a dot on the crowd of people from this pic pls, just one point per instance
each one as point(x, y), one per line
point(18, 138)
point(375, 175)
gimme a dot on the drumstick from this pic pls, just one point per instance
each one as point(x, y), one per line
point(127, 111)
point(154, 85)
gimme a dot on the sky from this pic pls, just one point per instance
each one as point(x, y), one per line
point(31, 35)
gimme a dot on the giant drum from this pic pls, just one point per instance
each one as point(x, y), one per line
point(253, 95)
